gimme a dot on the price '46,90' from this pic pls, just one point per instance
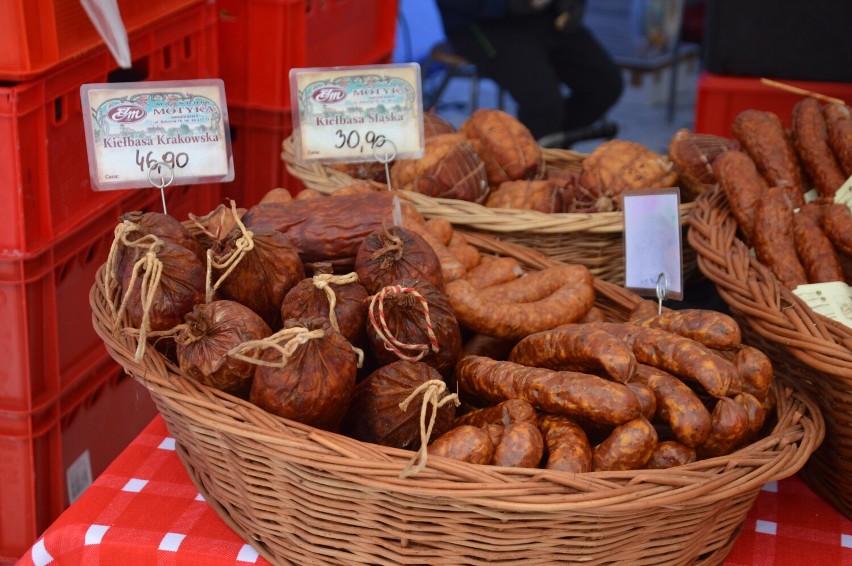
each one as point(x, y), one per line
point(352, 140)
point(173, 160)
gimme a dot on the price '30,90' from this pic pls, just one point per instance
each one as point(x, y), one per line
point(352, 139)
point(173, 160)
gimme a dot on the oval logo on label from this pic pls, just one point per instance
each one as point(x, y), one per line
point(127, 113)
point(329, 94)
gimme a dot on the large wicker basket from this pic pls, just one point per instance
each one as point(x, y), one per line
point(300, 495)
point(593, 240)
point(810, 351)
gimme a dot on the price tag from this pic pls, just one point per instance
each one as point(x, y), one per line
point(355, 114)
point(652, 243)
point(157, 133)
point(844, 194)
point(833, 300)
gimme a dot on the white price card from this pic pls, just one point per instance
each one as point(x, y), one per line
point(844, 194)
point(146, 134)
point(833, 300)
point(652, 242)
point(357, 114)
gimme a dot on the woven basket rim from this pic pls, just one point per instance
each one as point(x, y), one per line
point(748, 286)
point(470, 214)
point(784, 451)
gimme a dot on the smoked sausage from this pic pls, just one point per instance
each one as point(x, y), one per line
point(521, 446)
point(568, 448)
point(810, 138)
point(763, 136)
point(687, 359)
point(547, 299)
point(562, 392)
point(714, 329)
point(466, 443)
point(670, 453)
point(743, 186)
point(773, 239)
point(629, 447)
point(815, 251)
point(677, 405)
point(755, 371)
point(503, 413)
point(576, 347)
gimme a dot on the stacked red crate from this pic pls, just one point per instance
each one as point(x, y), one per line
point(259, 42)
point(721, 97)
point(62, 398)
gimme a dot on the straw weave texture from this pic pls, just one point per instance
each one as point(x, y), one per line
point(301, 495)
point(809, 351)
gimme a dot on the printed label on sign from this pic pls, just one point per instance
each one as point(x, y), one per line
point(653, 260)
point(355, 114)
point(833, 300)
point(844, 194)
point(78, 476)
point(139, 133)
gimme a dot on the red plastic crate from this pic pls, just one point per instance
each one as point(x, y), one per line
point(261, 40)
point(101, 415)
point(38, 35)
point(46, 332)
point(720, 98)
point(256, 138)
point(45, 190)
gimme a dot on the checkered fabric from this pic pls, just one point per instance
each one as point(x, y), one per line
point(145, 510)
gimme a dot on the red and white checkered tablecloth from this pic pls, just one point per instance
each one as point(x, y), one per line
point(145, 510)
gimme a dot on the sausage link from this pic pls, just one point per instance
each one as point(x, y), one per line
point(755, 371)
point(467, 254)
point(503, 413)
point(687, 359)
point(813, 210)
point(595, 314)
point(562, 392)
point(755, 411)
point(563, 295)
point(714, 329)
point(628, 447)
point(521, 446)
point(815, 251)
point(763, 136)
point(743, 185)
point(451, 267)
point(624, 331)
point(773, 239)
point(837, 223)
point(576, 347)
point(537, 285)
point(441, 228)
point(466, 443)
point(646, 397)
point(644, 308)
point(495, 433)
point(494, 272)
point(838, 121)
point(568, 448)
point(670, 453)
point(677, 405)
point(810, 138)
point(730, 429)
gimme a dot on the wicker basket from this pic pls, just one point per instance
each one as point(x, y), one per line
point(810, 351)
point(594, 240)
point(301, 495)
